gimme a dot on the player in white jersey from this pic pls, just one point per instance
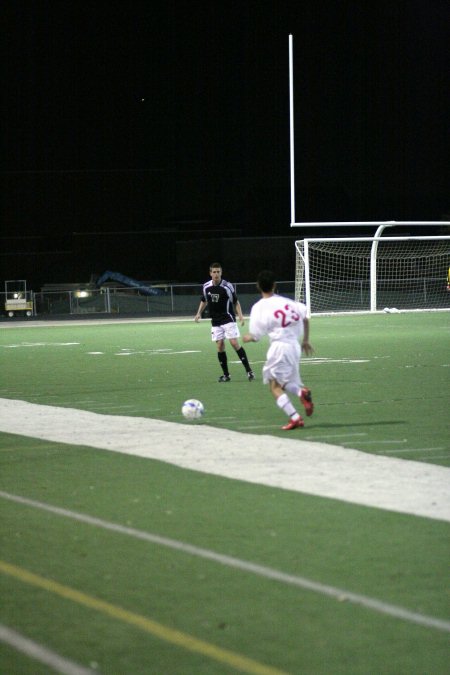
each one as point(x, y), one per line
point(285, 322)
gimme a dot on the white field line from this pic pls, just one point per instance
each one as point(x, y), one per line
point(42, 654)
point(320, 469)
point(123, 352)
point(387, 452)
point(93, 322)
point(384, 442)
point(428, 457)
point(40, 344)
point(339, 594)
point(121, 406)
point(358, 433)
point(312, 361)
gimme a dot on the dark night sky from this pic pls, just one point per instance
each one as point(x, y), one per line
point(147, 117)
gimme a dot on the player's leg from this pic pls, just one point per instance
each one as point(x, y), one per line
point(223, 360)
point(295, 385)
point(240, 351)
point(280, 369)
point(304, 395)
point(218, 336)
point(284, 403)
point(306, 399)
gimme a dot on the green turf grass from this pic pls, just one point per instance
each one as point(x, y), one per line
point(385, 377)
point(396, 558)
point(380, 383)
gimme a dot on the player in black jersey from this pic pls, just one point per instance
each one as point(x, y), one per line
point(220, 297)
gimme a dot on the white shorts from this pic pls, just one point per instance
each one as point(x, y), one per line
point(283, 363)
point(227, 330)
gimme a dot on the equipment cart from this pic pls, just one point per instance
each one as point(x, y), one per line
point(17, 299)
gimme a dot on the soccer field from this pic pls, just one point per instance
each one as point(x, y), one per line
point(118, 563)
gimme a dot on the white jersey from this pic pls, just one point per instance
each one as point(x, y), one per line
point(278, 317)
point(282, 320)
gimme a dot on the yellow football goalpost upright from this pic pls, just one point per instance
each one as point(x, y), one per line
point(365, 274)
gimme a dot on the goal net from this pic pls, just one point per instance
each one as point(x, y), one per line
point(372, 273)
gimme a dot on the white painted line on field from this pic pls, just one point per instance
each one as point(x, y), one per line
point(384, 442)
point(362, 433)
point(318, 361)
point(39, 653)
point(428, 457)
point(159, 352)
point(320, 469)
point(74, 323)
point(388, 452)
point(40, 344)
point(340, 594)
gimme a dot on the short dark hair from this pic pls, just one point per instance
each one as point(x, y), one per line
point(215, 264)
point(266, 281)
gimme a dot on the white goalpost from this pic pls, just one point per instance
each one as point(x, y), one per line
point(368, 273)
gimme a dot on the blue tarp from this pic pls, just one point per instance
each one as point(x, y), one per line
point(127, 281)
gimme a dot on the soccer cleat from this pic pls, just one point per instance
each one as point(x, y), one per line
point(250, 375)
point(224, 378)
point(293, 424)
point(306, 399)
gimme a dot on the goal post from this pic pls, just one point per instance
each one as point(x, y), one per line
point(369, 274)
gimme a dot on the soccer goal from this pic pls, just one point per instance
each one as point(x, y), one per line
point(369, 274)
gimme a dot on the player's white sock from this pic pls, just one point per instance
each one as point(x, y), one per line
point(285, 404)
point(293, 388)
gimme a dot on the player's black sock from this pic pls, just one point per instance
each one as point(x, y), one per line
point(243, 356)
point(222, 356)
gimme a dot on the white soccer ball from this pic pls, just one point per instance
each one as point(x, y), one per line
point(192, 409)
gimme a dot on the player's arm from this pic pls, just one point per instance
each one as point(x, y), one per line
point(255, 332)
point(238, 310)
point(249, 338)
point(201, 307)
point(306, 345)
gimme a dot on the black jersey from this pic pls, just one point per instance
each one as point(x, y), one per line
point(221, 300)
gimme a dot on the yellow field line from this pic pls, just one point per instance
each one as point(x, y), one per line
point(156, 629)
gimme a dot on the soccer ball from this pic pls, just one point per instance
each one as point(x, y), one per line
point(192, 409)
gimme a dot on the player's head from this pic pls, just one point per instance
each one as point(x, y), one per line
point(266, 281)
point(215, 272)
